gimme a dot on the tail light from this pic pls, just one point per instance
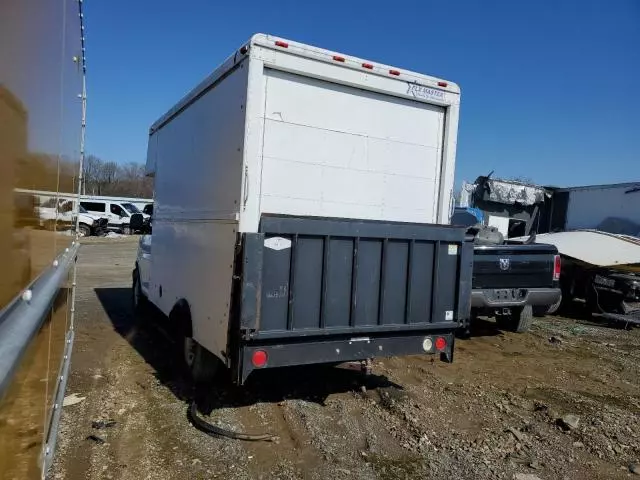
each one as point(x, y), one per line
point(259, 358)
point(441, 343)
point(557, 266)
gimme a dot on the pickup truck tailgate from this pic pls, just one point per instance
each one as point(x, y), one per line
point(506, 266)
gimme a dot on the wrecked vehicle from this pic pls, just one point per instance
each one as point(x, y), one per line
point(60, 212)
point(602, 269)
point(598, 267)
point(511, 282)
point(516, 209)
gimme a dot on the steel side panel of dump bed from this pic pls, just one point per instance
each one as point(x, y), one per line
point(311, 277)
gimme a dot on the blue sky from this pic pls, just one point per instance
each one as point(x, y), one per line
point(549, 88)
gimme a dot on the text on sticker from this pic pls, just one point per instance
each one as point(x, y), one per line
point(421, 91)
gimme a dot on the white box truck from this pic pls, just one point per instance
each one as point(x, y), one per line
point(302, 198)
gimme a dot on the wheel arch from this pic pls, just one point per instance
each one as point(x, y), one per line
point(181, 315)
point(85, 226)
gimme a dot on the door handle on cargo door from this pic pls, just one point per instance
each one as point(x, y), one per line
point(246, 188)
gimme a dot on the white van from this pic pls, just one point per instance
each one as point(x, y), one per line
point(117, 215)
point(135, 208)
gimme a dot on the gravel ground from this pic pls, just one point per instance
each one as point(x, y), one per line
point(560, 402)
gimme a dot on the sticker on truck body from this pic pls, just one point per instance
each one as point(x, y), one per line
point(421, 91)
point(453, 249)
point(277, 243)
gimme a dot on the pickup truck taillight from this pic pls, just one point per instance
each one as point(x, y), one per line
point(557, 265)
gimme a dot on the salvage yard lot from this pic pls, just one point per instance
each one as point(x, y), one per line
point(559, 402)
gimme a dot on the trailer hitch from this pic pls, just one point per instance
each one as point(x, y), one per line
point(363, 366)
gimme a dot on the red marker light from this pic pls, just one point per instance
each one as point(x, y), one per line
point(367, 65)
point(442, 84)
point(244, 50)
point(338, 58)
point(394, 72)
point(441, 343)
point(259, 358)
point(282, 44)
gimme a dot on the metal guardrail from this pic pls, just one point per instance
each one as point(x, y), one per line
point(22, 318)
point(52, 434)
point(20, 323)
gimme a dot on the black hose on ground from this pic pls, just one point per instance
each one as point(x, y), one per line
point(213, 430)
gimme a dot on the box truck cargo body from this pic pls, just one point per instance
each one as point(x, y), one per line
point(301, 202)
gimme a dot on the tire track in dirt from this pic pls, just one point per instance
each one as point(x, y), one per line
point(414, 418)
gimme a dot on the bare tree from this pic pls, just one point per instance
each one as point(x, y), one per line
point(110, 178)
point(91, 168)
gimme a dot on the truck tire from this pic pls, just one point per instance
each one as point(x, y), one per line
point(555, 307)
point(201, 364)
point(522, 319)
point(84, 230)
point(519, 320)
point(139, 300)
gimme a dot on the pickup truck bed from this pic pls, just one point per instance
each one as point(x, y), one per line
point(514, 281)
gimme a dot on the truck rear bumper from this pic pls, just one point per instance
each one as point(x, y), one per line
point(313, 351)
point(514, 297)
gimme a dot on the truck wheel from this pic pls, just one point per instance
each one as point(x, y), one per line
point(139, 300)
point(555, 307)
point(84, 230)
point(521, 319)
point(201, 364)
